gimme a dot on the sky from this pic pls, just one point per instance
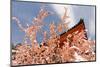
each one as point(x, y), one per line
point(26, 11)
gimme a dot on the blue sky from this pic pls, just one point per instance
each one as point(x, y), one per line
point(26, 11)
